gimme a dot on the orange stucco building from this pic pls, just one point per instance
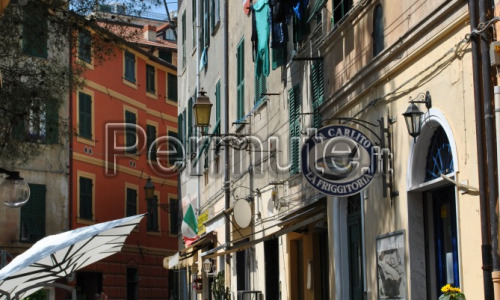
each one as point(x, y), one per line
point(133, 86)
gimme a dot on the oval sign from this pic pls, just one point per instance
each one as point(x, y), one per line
point(242, 213)
point(338, 161)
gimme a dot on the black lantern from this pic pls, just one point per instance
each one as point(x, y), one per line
point(413, 118)
point(413, 115)
point(202, 109)
point(149, 188)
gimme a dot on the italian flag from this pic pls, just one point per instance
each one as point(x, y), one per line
point(189, 227)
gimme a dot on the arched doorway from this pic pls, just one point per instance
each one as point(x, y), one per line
point(432, 211)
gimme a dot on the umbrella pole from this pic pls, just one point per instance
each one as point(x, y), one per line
point(7, 294)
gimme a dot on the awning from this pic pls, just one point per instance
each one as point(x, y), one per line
point(182, 258)
point(241, 246)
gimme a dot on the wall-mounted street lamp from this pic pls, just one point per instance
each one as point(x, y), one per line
point(149, 188)
point(202, 109)
point(208, 267)
point(413, 115)
point(14, 191)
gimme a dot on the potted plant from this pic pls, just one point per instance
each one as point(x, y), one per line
point(219, 290)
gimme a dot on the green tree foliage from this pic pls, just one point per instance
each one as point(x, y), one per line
point(38, 38)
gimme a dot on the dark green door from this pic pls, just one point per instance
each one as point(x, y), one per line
point(355, 248)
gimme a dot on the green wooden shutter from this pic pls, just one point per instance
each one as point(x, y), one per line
point(52, 124)
point(84, 115)
point(33, 214)
point(150, 78)
point(212, 16)
point(278, 57)
point(217, 105)
point(84, 45)
point(152, 217)
point(206, 20)
point(35, 30)
point(151, 137)
point(85, 198)
point(173, 146)
point(130, 136)
point(172, 87)
point(240, 74)
point(189, 127)
point(260, 88)
point(174, 210)
point(180, 127)
point(317, 87)
point(131, 202)
point(129, 66)
point(294, 123)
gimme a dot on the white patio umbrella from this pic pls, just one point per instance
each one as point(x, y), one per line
point(59, 255)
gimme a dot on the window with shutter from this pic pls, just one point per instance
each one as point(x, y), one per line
point(152, 217)
point(131, 202)
point(85, 203)
point(184, 39)
point(35, 30)
point(190, 127)
point(130, 132)
point(85, 45)
point(240, 80)
point(217, 105)
point(278, 57)
point(150, 79)
point(260, 88)
point(174, 210)
point(340, 9)
point(294, 124)
point(129, 66)
point(173, 146)
point(33, 215)
point(172, 87)
point(378, 30)
point(206, 23)
point(52, 124)
point(317, 87)
point(193, 15)
point(84, 115)
point(180, 127)
point(150, 138)
point(165, 55)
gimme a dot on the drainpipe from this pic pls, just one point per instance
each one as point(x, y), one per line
point(196, 95)
point(481, 161)
point(227, 174)
point(70, 138)
point(484, 13)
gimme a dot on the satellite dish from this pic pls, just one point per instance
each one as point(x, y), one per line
point(242, 213)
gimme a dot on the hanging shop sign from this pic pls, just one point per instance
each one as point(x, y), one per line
point(339, 161)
